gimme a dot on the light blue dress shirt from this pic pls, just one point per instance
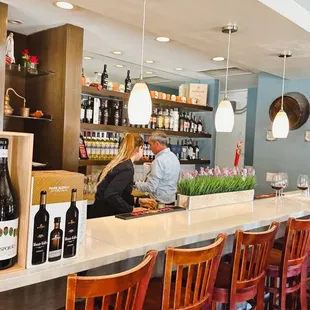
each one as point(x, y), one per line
point(161, 183)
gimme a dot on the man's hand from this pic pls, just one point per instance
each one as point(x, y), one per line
point(147, 203)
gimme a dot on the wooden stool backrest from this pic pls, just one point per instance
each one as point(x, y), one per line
point(129, 286)
point(202, 264)
point(297, 243)
point(251, 251)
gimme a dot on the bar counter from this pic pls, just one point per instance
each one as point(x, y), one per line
point(109, 240)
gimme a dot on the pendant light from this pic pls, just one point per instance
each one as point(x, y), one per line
point(140, 102)
point(281, 125)
point(224, 116)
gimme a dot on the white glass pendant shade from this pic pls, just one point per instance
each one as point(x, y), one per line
point(140, 104)
point(280, 126)
point(224, 117)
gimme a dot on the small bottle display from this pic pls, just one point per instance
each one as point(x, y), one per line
point(40, 233)
point(9, 212)
point(89, 111)
point(56, 236)
point(71, 228)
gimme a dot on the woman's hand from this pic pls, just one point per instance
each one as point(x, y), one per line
point(147, 203)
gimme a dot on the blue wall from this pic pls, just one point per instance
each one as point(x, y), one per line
point(289, 155)
point(250, 127)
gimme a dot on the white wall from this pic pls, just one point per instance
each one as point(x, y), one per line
point(226, 142)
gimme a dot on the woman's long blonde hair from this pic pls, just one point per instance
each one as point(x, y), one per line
point(130, 142)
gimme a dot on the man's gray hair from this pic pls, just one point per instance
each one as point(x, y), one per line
point(159, 136)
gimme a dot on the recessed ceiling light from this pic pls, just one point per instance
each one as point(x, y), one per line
point(87, 57)
point(178, 69)
point(149, 72)
point(64, 5)
point(117, 52)
point(162, 39)
point(149, 61)
point(119, 66)
point(219, 58)
point(15, 21)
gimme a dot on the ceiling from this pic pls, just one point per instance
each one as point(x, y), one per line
point(194, 30)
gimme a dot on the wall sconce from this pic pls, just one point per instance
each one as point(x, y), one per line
point(8, 110)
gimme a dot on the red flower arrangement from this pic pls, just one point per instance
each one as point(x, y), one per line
point(25, 52)
point(34, 59)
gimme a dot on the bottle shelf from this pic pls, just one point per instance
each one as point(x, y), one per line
point(47, 118)
point(16, 70)
point(122, 129)
point(156, 102)
point(89, 162)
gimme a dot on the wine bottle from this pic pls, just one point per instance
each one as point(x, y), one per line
point(40, 233)
point(83, 78)
point(104, 78)
point(128, 83)
point(83, 109)
point(55, 241)
point(89, 111)
point(71, 228)
point(8, 211)
point(199, 126)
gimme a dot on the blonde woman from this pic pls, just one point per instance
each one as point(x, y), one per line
point(115, 185)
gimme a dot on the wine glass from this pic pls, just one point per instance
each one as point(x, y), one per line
point(285, 181)
point(303, 184)
point(277, 184)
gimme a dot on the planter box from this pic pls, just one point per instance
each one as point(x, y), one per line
point(214, 200)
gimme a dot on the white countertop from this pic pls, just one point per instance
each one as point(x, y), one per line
point(110, 239)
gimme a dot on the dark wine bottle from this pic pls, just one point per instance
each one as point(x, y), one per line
point(71, 229)
point(89, 111)
point(8, 211)
point(104, 78)
point(55, 241)
point(128, 83)
point(40, 233)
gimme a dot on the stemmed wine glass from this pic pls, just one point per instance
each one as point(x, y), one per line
point(285, 182)
point(303, 184)
point(277, 184)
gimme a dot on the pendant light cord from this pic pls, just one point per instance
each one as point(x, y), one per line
point(283, 81)
point(142, 44)
point(227, 64)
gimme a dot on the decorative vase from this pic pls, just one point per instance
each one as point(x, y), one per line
point(33, 68)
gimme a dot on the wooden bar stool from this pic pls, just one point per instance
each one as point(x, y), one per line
point(195, 275)
point(125, 291)
point(243, 278)
point(288, 267)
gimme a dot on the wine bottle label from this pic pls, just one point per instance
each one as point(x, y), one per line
point(89, 114)
point(54, 254)
point(8, 238)
point(82, 114)
point(3, 153)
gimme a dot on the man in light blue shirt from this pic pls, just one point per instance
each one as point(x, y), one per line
point(161, 182)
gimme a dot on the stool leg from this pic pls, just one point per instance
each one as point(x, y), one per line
point(303, 286)
point(260, 295)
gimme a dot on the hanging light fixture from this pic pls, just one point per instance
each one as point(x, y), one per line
point(281, 125)
point(140, 102)
point(224, 116)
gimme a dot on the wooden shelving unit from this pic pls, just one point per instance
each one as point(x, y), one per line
point(46, 119)
point(89, 162)
point(156, 102)
point(112, 128)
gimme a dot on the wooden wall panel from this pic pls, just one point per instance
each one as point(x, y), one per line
point(59, 50)
point(3, 27)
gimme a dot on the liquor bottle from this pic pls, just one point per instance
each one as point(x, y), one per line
point(154, 119)
point(169, 144)
point(166, 120)
point(8, 211)
point(93, 145)
point(178, 150)
point(191, 123)
point(199, 126)
point(104, 78)
point(40, 233)
point(175, 120)
point(96, 81)
point(116, 121)
point(105, 113)
point(88, 144)
point(125, 115)
point(160, 119)
point(89, 111)
point(117, 143)
point(184, 150)
point(197, 151)
point(195, 126)
point(96, 111)
point(182, 120)
point(190, 150)
point(187, 122)
point(98, 146)
point(83, 78)
point(83, 109)
point(171, 124)
point(128, 83)
point(82, 148)
point(103, 146)
point(55, 241)
point(71, 228)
